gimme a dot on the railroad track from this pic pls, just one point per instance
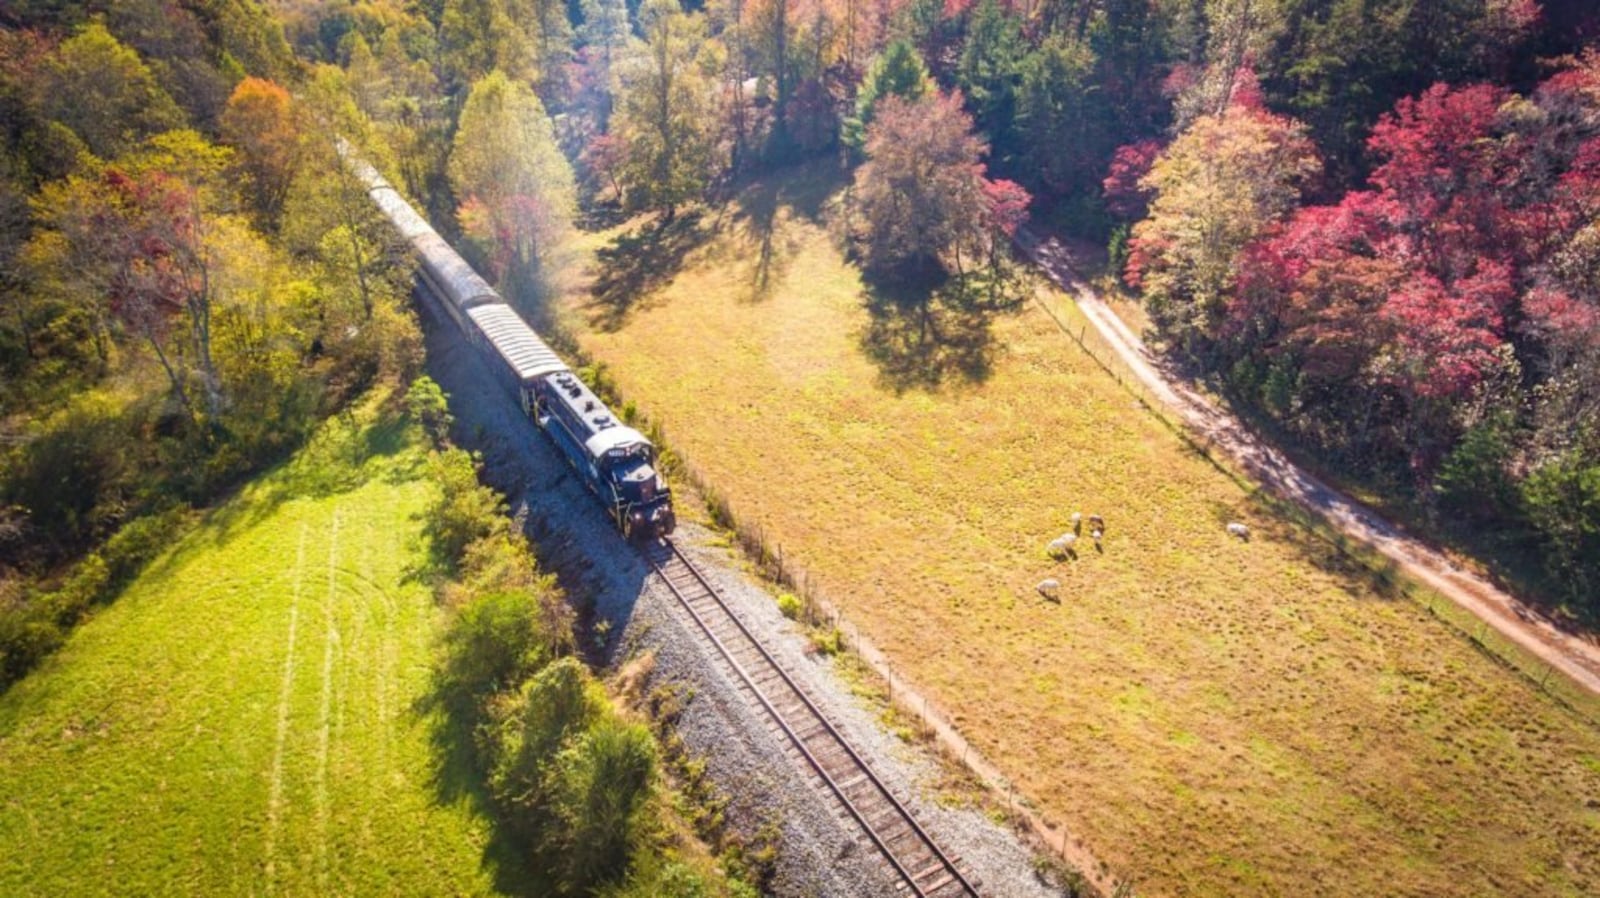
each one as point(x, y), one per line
point(922, 868)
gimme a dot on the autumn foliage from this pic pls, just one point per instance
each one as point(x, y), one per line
point(1449, 305)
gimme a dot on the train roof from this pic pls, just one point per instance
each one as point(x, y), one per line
point(450, 273)
point(599, 429)
point(511, 337)
point(406, 219)
point(614, 437)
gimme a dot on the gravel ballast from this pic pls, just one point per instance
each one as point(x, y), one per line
point(822, 851)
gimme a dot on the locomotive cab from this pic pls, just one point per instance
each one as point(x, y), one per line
point(640, 495)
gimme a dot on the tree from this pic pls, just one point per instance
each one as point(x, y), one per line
point(898, 71)
point(990, 73)
point(259, 121)
point(920, 194)
point(1061, 114)
point(665, 112)
point(1219, 186)
point(477, 37)
point(105, 94)
point(516, 189)
point(606, 35)
point(138, 244)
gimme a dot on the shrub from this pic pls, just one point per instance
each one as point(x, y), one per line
point(1563, 502)
point(828, 641)
point(428, 406)
point(600, 786)
point(493, 644)
point(141, 540)
point(465, 511)
point(74, 473)
point(550, 709)
point(790, 605)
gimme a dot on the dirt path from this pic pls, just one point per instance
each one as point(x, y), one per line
point(1576, 656)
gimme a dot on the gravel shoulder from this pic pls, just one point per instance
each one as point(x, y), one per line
point(822, 851)
point(1575, 655)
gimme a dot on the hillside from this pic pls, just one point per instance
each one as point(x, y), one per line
point(247, 717)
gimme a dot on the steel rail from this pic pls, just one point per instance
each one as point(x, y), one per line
point(944, 863)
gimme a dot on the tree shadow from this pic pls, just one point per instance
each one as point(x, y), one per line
point(456, 777)
point(637, 264)
point(801, 191)
point(926, 334)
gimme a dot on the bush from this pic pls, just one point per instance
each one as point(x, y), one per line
point(428, 406)
point(465, 511)
point(141, 540)
point(33, 627)
point(1563, 502)
point(74, 474)
point(1473, 484)
point(789, 605)
point(550, 709)
point(600, 786)
point(493, 644)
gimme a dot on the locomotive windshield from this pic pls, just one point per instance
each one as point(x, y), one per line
point(631, 470)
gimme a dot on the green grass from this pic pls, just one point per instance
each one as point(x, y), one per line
point(1214, 717)
point(246, 718)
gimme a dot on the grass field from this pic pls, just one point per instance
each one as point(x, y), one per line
point(1215, 717)
point(245, 718)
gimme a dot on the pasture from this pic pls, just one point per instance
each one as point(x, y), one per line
point(1213, 716)
point(246, 718)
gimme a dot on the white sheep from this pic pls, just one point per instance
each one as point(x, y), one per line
point(1050, 588)
point(1062, 546)
point(1077, 522)
point(1237, 529)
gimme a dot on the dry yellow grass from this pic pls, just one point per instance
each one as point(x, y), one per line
point(1214, 717)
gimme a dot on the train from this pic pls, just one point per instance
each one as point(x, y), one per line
point(618, 464)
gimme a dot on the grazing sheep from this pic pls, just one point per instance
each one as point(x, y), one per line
point(1095, 535)
point(1050, 588)
point(1063, 546)
point(1237, 529)
point(1097, 523)
point(1077, 522)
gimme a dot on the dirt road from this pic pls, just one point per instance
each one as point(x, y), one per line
point(1576, 656)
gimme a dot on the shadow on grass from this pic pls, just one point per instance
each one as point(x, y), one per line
point(638, 263)
point(802, 190)
point(343, 455)
point(925, 334)
point(457, 778)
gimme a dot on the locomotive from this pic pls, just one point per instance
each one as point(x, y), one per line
point(615, 462)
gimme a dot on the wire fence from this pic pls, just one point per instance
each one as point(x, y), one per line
point(1536, 672)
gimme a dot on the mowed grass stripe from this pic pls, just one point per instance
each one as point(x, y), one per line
point(146, 757)
point(275, 794)
point(330, 641)
point(1215, 717)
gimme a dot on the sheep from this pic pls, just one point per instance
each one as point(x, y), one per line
point(1095, 535)
point(1237, 529)
point(1062, 546)
point(1077, 522)
point(1097, 523)
point(1050, 588)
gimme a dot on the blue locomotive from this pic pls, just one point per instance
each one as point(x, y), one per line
point(616, 462)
